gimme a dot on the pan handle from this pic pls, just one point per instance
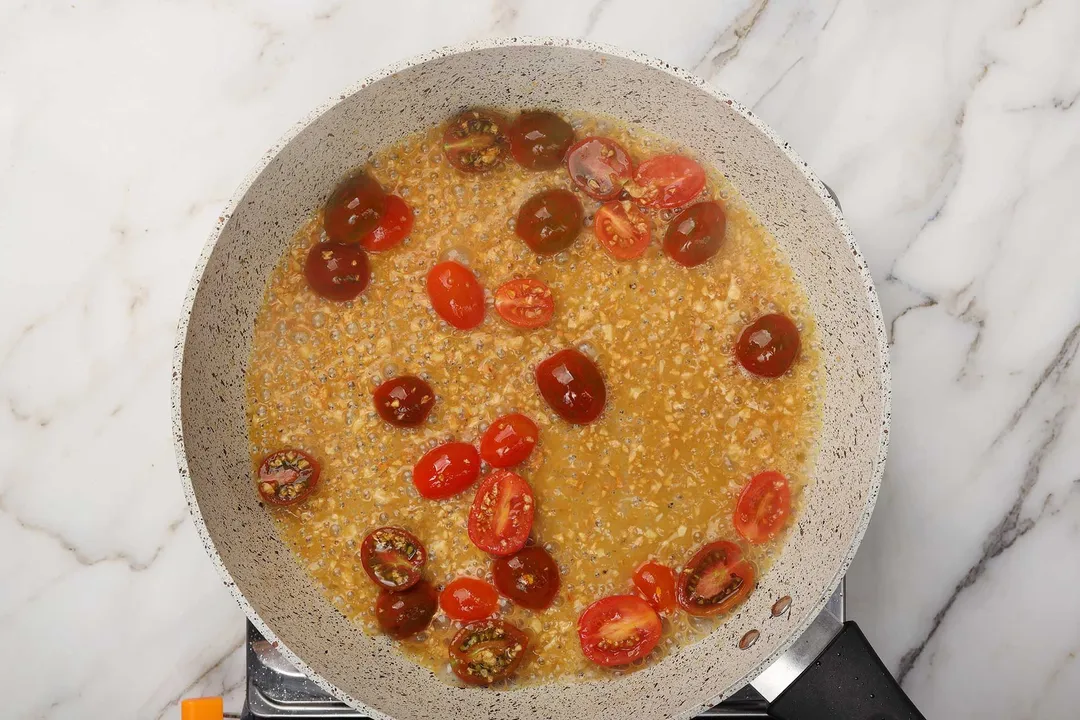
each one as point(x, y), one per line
point(847, 681)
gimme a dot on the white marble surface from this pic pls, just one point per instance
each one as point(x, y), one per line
point(948, 128)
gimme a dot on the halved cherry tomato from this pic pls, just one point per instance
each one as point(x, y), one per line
point(456, 294)
point(446, 470)
point(509, 440)
point(525, 302)
point(768, 346)
point(395, 226)
point(487, 651)
point(600, 167)
point(502, 513)
point(401, 614)
point(696, 234)
point(763, 507)
point(337, 271)
point(539, 139)
point(550, 221)
point(288, 476)
point(656, 583)
point(393, 558)
point(529, 577)
point(572, 386)
point(475, 140)
point(618, 630)
point(354, 208)
point(404, 401)
point(715, 580)
point(466, 599)
point(622, 229)
point(667, 181)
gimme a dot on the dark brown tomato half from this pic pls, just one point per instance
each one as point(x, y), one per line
point(288, 476)
point(487, 651)
point(529, 577)
point(354, 208)
point(404, 614)
point(550, 221)
point(337, 271)
point(404, 401)
point(600, 167)
point(475, 140)
point(768, 346)
point(572, 386)
point(696, 234)
point(539, 139)
point(393, 558)
point(715, 581)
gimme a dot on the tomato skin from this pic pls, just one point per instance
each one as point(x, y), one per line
point(287, 477)
point(336, 271)
point(695, 234)
point(715, 581)
point(768, 346)
point(446, 470)
point(394, 226)
point(529, 577)
point(404, 401)
point(501, 516)
point(456, 295)
point(656, 583)
point(618, 630)
point(354, 208)
point(475, 140)
point(393, 558)
point(487, 651)
point(539, 139)
point(622, 229)
point(763, 507)
point(509, 440)
point(403, 614)
point(550, 221)
point(572, 386)
point(600, 167)
point(668, 181)
point(467, 599)
point(525, 303)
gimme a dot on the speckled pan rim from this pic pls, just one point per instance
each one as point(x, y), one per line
point(525, 41)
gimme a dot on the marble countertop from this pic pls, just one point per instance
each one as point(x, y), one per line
point(947, 127)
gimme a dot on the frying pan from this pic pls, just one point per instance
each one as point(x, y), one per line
point(296, 176)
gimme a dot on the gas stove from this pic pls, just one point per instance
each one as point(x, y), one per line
point(276, 689)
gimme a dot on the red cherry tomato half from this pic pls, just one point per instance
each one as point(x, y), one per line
point(475, 140)
point(456, 294)
point(539, 139)
point(525, 303)
point(404, 401)
point(395, 226)
point(695, 234)
point(529, 577)
point(600, 167)
point(715, 580)
point(622, 229)
point(763, 507)
point(618, 630)
point(667, 181)
point(656, 583)
point(572, 386)
point(768, 346)
point(288, 476)
point(403, 614)
point(354, 208)
point(446, 470)
point(467, 599)
point(487, 651)
point(393, 558)
point(509, 440)
point(550, 221)
point(502, 513)
point(336, 271)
